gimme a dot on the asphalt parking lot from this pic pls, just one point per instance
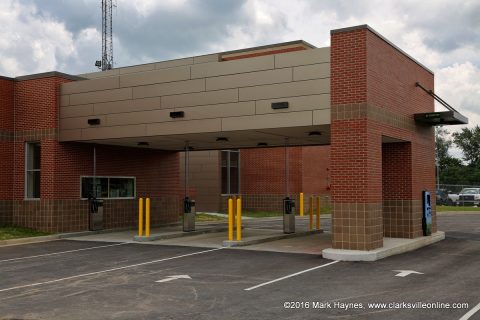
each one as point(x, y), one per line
point(67, 279)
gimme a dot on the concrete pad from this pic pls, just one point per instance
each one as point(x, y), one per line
point(391, 246)
point(178, 234)
point(247, 241)
point(310, 244)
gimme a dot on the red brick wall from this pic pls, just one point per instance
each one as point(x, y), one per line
point(263, 170)
point(391, 78)
point(6, 144)
point(348, 67)
point(316, 170)
point(373, 100)
point(397, 171)
point(62, 164)
point(6, 104)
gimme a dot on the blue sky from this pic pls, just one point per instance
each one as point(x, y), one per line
point(64, 35)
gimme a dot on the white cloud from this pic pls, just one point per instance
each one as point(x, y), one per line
point(39, 36)
point(34, 42)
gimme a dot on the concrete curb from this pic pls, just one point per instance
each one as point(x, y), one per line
point(28, 240)
point(452, 213)
point(261, 239)
point(180, 234)
point(391, 246)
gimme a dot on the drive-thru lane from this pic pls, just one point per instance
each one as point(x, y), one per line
point(129, 281)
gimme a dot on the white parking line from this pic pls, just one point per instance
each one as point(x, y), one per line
point(471, 312)
point(62, 252)
point(109, 270)
point(291, 275)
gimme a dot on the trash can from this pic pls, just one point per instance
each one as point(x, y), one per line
point(288, 215)
point(95, 214)
point(427, 214)
point(189, 215)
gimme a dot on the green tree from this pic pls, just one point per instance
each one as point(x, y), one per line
point(442, 145)
point(468, 140)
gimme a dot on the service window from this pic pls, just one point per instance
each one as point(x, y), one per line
point(108, 187)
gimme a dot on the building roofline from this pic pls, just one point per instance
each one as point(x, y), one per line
point(6, 78)
point(268, 46)
point(48, 75)
point(366, 26)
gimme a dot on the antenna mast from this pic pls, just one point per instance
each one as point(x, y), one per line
point(107, 41)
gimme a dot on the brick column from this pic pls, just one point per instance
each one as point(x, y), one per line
point(381, 159)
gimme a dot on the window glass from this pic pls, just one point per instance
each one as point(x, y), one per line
point(33, 156)
point(234, 172)
point(225, 172)
point(122, 188)
point(230, 162)
point(108, 187)
point(32, 170)
point(33, 184)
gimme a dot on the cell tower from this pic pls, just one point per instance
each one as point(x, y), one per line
point(107, 41)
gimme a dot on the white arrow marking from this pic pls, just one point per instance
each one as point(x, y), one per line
point(404, 273)
point(171, 278)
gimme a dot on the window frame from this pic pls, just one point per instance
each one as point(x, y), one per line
point(229, 152)
point(39, 170)
point(108, 187)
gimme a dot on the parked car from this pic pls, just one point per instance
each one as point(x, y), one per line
point(446, 198)
point(469, 197)
point(441, 197)
point(452, 199)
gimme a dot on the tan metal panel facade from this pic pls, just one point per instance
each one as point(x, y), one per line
point(157, 76)
point(213, 69)
point(301, 58)
point(169, 88)
point(215, 96)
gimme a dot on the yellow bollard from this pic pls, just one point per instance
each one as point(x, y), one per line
point(234, 200)
point(230, 219)
point(140, 217)
point(147, 217)
point(239, 219)
point(311, 213)
point(318, 213)
point(301, 204)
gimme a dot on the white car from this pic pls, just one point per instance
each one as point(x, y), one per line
point(469, 197)
point(452, 199)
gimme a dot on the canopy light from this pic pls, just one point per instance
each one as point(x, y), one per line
point(222, 139)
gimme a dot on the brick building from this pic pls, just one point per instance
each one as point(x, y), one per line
point(349, 108)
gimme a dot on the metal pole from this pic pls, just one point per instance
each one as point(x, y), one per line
point(286, 169)
point(318, 213)
point(94, 172)
point(186, 168)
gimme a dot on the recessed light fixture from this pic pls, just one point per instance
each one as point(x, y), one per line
point(222, 139)
point(262, 144)
point(314, 133)
point(143, 143)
